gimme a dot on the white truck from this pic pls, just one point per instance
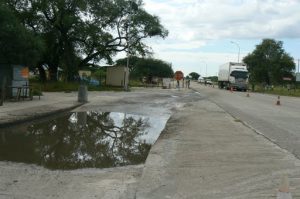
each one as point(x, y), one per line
point(233, 75)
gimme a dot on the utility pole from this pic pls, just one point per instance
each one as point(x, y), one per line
point(239, 49)
point(205, 68)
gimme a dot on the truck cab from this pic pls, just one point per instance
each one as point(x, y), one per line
point(238, 78)
point(233, 75)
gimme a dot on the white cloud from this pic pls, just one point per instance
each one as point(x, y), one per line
point(194, 24)
point(217, 19)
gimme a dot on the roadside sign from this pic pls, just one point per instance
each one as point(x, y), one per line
point(178, 75)
point(20, 73)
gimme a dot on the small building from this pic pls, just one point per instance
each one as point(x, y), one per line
point(117, 76)
point(84, 73)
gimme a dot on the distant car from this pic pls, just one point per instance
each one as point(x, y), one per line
point(201, 80)
point(208, 81)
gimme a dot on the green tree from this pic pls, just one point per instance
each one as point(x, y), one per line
point(147, 67)
point(194, 75)
point(269, 63)
point(99, 74)
point(132, 62)
point(83, 32)
point(17, 44)
point(213, 78)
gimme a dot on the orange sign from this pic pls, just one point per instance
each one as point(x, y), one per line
point(178, 75)
point(25, 72)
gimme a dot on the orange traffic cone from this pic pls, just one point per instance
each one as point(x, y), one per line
point(283, 191)
point(278, 101)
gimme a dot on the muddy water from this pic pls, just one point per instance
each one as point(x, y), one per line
point(82, 140)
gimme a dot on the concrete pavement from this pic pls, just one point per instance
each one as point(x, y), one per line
point(26, 110)
point(205, 153)
point(202, 153)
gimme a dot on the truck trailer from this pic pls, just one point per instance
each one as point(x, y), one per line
point(233, 75)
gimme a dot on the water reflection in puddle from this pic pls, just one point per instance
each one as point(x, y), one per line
point(82, 139)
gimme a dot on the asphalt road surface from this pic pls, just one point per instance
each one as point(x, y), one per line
point(280, 124)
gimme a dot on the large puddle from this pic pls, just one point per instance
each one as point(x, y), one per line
point(82, 140)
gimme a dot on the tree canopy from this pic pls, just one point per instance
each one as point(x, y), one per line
point(17, 44)
point(147, 67)
point(194, 75)
point(78, 33)
point(269, 63)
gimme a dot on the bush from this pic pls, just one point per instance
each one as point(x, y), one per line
point(68, 87)
point(37, 92)
point(60, 86)
point(135, 83)
point(279, 90)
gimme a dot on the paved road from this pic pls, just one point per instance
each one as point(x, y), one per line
point(202, 153)
point(205, 153)
point(280, 124)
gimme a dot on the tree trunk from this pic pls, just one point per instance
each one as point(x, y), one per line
point(53, 72)
point(42, 73)
point(71, 67)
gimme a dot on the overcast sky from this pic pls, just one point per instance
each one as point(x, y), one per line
point(201, 31)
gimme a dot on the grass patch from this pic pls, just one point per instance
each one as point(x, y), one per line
point(60, 86)
point(37, 92)
point(105, 88)
point(136, 83)
point(279, 90)
point(68, 87)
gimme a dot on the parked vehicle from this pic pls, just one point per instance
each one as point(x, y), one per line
point(233, 75)
point(208, 82)
point(201, 80)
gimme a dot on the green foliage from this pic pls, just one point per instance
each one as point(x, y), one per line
point(68, 87)
point(132, 62)
point(194, 75)
point(279, 90)
point(136, 83)
point(17, 44)
point(269, 63)
point(83, 32)
point(147, 67)
point(100, 75)
point(60, 86)
point(213, 78)
point(105, 88)
point(36, 92)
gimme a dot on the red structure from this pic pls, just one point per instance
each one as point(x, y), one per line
point(178, 75)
